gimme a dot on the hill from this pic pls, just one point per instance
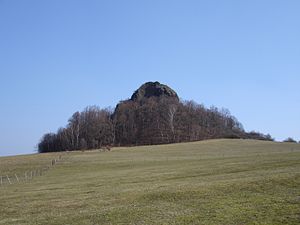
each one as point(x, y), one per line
point(208, 182)
point(153, 115)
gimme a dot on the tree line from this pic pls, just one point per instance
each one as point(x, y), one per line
point(154, 120)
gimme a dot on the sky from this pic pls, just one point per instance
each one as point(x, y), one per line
point(59, 56)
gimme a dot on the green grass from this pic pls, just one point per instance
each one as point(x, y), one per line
point(210, 182)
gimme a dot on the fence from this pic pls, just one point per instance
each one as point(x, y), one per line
point(27, 176)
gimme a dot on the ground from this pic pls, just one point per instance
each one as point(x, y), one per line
point(209, 182)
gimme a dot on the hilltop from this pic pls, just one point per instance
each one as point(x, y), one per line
point(154, 89)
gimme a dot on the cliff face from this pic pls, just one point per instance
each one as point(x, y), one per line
point(153, 89)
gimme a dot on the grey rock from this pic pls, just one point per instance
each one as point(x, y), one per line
point(153, 89)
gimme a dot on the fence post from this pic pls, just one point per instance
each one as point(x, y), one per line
point(8, 179)
point(17, 177)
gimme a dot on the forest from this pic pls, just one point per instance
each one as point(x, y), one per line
point(153, 115)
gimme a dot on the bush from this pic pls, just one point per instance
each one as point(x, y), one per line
point(289, 139)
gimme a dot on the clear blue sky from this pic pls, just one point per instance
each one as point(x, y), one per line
point(59, 56)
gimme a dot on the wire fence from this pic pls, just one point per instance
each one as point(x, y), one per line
point(26, 176)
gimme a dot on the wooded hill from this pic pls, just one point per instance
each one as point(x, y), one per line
point(153, 115)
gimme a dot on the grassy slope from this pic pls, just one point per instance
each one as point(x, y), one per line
point(19, 164)
point(209, 182)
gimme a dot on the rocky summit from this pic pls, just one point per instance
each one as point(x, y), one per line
point(153, 89)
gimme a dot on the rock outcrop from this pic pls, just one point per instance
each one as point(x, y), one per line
point(153, 89)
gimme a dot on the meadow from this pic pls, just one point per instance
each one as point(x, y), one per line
point(208, 182)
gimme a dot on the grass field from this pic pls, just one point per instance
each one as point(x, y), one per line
point(18, 164)
point(209, 182)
